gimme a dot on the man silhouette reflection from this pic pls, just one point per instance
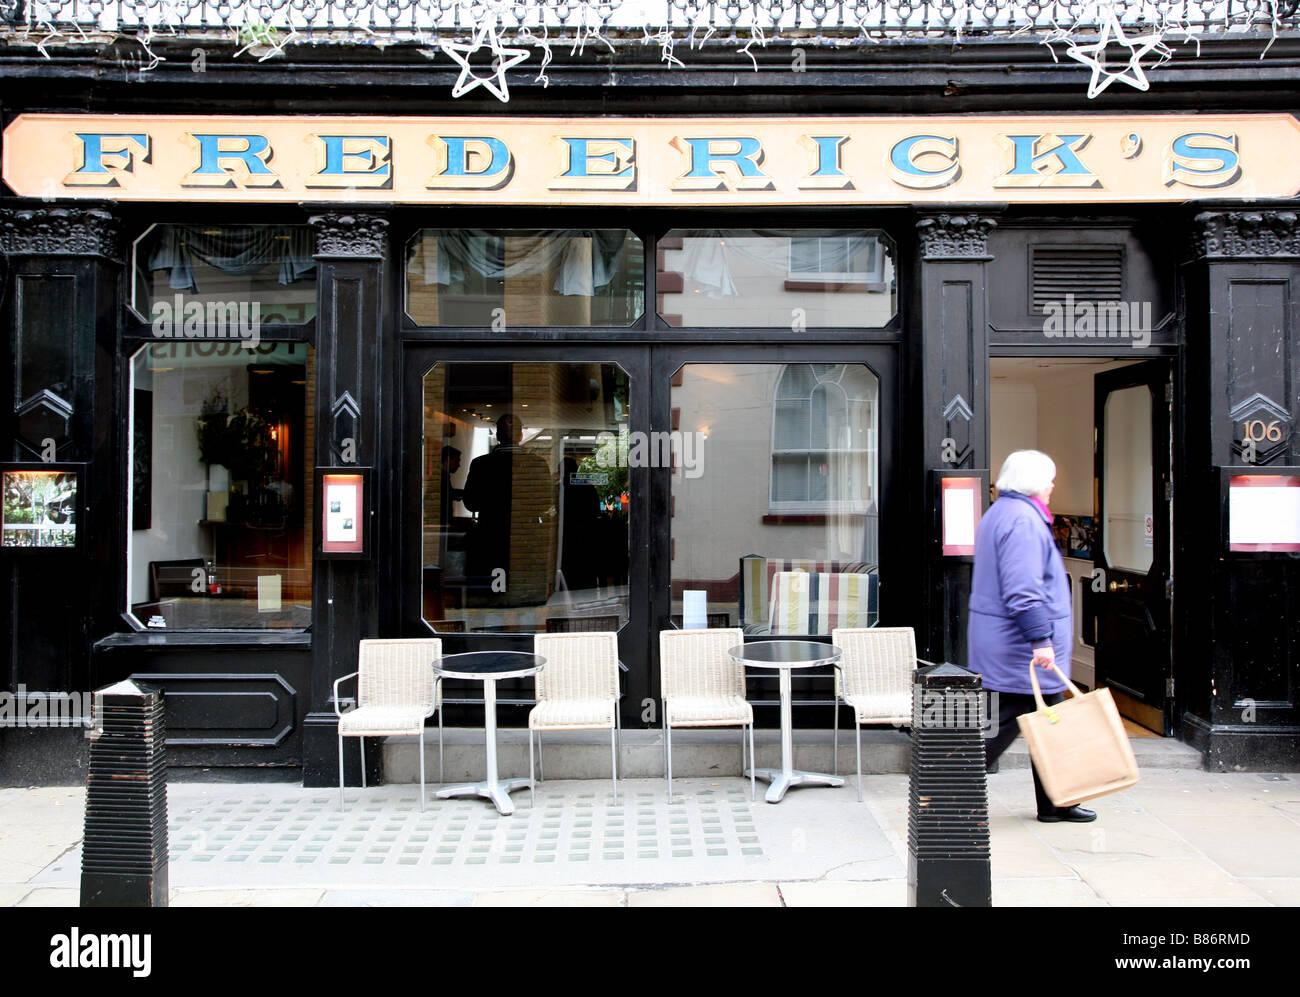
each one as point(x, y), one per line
point(511, 490)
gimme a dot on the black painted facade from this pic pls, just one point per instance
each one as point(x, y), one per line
point(1225, 277)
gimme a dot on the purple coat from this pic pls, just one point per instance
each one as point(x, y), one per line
point(1019, 592)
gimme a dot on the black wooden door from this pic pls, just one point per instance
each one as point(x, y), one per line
point(1132, 586)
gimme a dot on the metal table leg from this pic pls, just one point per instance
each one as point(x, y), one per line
point(787, 775)
point(491, 788)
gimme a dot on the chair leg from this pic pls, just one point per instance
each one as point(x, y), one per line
point(753, 763)
point(340, 772)
point(835, 752)
point(858, 727)
point(532, 773)
point(613, 759)
point(441, 780)
point(363, 761)
point(668, 753)
point(421, 769)
point(541, 764)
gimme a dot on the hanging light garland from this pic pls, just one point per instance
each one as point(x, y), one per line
point(1119, 41)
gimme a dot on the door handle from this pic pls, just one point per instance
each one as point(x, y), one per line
point(1118, 586)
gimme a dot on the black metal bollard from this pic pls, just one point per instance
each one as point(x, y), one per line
point(948, 818)
point(124, 856)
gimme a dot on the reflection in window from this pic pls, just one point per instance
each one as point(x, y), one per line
point(778, 521)
point(221, 456)
point(267, 270)
point(772, 279)
point(503, 279)
point(525, 497)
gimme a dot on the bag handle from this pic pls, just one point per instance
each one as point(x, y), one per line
point(1052, 716)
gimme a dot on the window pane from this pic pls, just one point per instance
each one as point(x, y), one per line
point(1128, 490)
point(776, 279)
point(525, 497)
point(750, 509)
point(267, 269)
point(221, 464)
point(791, 424)
point(525, 278)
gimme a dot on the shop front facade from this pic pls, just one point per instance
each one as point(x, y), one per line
point(289, 373)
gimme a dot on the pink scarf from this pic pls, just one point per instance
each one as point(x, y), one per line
point(1042, 507)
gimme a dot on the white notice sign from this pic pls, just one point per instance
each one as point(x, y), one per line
point(341, 513)
point(1263, 514)
point(958, 517)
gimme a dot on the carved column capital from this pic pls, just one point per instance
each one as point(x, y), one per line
point(350, 233)
point(60, 231)
point(1246, 234)
point(955, 237)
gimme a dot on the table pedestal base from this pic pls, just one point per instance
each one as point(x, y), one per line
point(497, 792)
point(781, 781)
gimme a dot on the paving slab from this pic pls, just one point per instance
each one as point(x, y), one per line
point(1018, 852)
point(721, 895)
point(1244, 846)
point(1277, 891)
point(397, 898)
point(1185, 880)
point(52, 897)
point(1044, 891)
point(551, 898)
point(246, 898)
point(885, 893)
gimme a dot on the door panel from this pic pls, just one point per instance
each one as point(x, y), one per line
point(1131, 559)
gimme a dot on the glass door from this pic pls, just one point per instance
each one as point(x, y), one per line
point(773, 482)
point(522, 512)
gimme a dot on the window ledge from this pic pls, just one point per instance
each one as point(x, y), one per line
point(860, 286)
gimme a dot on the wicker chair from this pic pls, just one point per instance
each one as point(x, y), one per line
point(577, 690)
point(875, 679)
point(396, 692)
point(702, 686)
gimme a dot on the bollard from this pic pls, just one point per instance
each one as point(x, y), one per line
point(948, 813)
point(124, 855)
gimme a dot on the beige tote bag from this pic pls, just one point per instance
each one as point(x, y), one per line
point(1078, 746)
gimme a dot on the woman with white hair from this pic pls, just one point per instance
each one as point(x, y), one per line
point(1020, 612)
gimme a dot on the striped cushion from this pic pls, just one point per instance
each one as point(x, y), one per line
point(817, 602)
point(757, 574)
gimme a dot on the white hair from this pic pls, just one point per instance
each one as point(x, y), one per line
point(1028, 472)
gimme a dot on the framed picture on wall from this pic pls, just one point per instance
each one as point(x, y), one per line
point(42, 507)
point(1083, 537)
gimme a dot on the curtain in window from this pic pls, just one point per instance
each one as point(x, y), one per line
point(583, 261)
point(237, 251)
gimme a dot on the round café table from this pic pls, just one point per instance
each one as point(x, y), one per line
point(489, 667)
point(785, 656)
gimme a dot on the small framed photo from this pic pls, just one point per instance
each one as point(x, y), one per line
point(42, 507)
point(1083, 537)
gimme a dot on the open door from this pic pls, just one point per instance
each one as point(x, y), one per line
point(1132, 587)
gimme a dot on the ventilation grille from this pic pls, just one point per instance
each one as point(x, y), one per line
point(1089, 273)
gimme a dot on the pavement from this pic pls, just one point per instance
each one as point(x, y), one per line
point(1181, 837)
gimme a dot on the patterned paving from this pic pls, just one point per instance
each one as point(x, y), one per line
point(385, 826)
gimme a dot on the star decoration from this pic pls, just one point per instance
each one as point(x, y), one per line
point(1094, 56)
point(485, 35)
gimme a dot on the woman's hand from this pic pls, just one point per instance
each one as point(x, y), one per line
point(1044, 657)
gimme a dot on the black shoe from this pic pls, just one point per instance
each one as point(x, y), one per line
point(991, 769)
point(1075, 815)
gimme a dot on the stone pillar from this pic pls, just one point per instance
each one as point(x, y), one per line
point(952, 422)
point(351, 251)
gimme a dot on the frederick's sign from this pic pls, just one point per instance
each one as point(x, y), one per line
point(655, 161)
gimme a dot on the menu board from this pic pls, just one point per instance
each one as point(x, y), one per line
point(343, 512)
point(1264, 512)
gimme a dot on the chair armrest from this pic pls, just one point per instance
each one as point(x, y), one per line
point(335, 700)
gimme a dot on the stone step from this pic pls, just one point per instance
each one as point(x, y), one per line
point(697, 753)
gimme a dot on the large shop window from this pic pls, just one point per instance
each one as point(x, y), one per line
point(521, 278)
point(206, 281)
point(775, 497)
point(220, 477)
point(525, 497)
point(796, 279)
